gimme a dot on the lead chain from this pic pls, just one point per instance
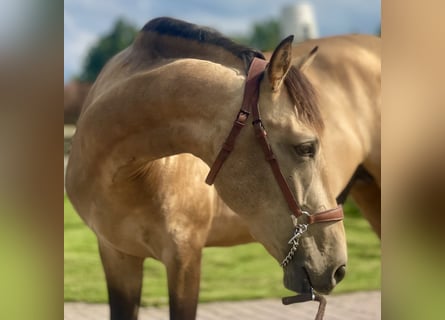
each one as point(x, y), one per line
point(295, 241)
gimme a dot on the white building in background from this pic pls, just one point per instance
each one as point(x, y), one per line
point(299, 19)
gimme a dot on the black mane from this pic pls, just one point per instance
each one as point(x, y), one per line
point(178, 28)
point(300, 89)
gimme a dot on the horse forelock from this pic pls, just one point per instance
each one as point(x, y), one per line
point(304, 97)
point(203, 35)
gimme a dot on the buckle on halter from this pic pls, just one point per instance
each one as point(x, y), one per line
point(242, 116)
point(260, 130)
point(258, 122)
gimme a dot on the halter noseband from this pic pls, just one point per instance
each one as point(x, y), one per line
point(250, 106)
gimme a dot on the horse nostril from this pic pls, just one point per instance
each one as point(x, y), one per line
point(340, 273)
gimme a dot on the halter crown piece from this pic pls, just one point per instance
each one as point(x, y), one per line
point(250, 106)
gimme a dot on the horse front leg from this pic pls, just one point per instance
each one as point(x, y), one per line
point(123, 274)
point(367, 196)
point(183, 274)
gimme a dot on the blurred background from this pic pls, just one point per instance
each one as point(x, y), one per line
point(260, 23)
point(37, 36)
point(96, 30)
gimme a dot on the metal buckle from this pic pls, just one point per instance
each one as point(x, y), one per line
point(312, 294)
point(242, 115)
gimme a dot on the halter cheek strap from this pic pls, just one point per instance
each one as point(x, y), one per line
point(251, 94)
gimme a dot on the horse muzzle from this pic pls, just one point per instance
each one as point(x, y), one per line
point(300, 280)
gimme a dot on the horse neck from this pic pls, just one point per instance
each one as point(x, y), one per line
point(155, 46)
point(186, 106)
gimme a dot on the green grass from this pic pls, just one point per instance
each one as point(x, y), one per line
point(234, 273)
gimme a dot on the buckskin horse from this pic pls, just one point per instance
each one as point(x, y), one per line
point(176, 90)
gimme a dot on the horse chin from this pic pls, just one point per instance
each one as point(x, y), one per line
point(298, 280)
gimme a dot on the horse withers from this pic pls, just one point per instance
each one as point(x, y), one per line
point(177, 89)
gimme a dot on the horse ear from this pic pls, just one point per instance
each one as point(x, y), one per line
point(306, 61)
point(280, 63)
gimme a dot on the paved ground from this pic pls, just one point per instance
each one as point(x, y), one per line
point(354, 306)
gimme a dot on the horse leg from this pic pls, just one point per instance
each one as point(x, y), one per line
point(366, 194)
point(183, 274)
point(123, 274)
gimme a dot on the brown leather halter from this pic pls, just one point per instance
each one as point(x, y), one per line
point(250, 105)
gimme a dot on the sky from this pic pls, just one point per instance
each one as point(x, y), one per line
point(87, 20)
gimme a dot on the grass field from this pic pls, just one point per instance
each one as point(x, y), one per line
point(234, 273)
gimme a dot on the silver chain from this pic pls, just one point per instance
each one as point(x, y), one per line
point(295, 241)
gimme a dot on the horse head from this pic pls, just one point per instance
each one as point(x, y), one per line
point(289, 113)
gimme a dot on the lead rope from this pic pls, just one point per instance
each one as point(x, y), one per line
point(308, 297)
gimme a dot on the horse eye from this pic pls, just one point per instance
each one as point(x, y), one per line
point(306, 149)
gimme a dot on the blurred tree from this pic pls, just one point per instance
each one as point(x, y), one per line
point(119, 38)
point(265, 35)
